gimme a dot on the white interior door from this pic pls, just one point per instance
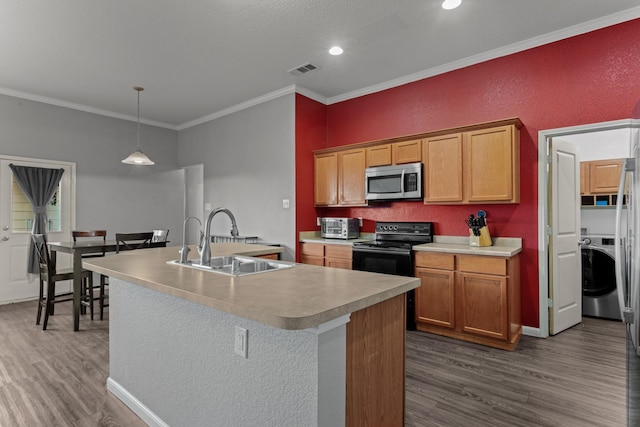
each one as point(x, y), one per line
point(565, 284)
point(15, 227)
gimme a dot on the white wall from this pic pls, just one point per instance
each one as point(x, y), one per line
point(110, 194)
point(249, 168)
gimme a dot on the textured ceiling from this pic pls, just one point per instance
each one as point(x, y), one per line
point(198, 57)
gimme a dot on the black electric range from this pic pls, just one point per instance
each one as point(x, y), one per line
point(391, 253)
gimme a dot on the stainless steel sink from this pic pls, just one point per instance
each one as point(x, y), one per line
point(236, 265)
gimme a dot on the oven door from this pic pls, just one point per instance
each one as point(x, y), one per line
point(382, 261)
point(388, 262)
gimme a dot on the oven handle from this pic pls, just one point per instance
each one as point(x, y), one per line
point(402, 182)
point(380, 251)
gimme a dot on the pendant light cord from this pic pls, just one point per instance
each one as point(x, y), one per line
point(138, 141)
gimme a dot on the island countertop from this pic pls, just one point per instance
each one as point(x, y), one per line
point(293, 298)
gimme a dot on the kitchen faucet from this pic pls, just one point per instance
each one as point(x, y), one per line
point(184, 251)
point(205, 255)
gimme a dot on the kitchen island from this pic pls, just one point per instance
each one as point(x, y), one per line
point(325, 346)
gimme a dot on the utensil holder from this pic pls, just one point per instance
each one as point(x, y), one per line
point(484, 239)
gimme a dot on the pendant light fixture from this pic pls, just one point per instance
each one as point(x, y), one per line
point(138, 157)
point(451, 4)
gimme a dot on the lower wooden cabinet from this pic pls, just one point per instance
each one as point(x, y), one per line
point(326, 254)
point(470, 297)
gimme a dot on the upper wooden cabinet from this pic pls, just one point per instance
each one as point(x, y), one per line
point(379, 155)
point(471, 164)
point(407, 152)
point(339, 178)
point(396, 153)
point(442, 157)
point(491, 165)
point(351, 166)
point(584, 178)
point(478, 166)
point(326, 179)
point(604, 176)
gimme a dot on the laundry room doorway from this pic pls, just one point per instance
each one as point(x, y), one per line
point(594, 141)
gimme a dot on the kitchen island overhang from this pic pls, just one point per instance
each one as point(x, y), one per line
point(172, 356)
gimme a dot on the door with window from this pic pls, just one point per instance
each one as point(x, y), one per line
point(16, 216)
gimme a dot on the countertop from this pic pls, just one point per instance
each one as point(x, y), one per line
point(502, 246)
point(315, 237)
point(294, 298)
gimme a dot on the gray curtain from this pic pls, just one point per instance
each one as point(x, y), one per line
point(39, 185)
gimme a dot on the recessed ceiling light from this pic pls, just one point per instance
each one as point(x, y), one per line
point(451, 4)
point(336, 50)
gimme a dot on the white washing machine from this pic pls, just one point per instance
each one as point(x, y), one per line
point(599, 292)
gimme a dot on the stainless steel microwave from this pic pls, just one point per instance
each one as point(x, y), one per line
point(394, 182)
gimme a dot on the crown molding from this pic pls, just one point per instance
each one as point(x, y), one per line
point(311, 95)
point(585, 27)
point(238, 107)
point(575, 30)
point(81, 107)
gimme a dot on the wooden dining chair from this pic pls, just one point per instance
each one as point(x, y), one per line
point(50, 275)
point(127, 242)
point(104, 280)
point(132, 241)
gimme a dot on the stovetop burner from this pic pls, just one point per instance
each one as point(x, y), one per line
point(400, 235)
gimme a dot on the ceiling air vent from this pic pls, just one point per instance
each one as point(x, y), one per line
point(302, 69)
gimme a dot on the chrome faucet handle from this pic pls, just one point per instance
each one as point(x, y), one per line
point(184, 253)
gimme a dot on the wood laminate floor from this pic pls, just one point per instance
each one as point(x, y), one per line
point(574, 379)
point(57, 377)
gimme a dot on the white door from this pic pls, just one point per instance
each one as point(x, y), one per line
point(565, 284)
point(15, 227)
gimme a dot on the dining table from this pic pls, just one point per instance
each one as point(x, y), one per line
point(76, 250)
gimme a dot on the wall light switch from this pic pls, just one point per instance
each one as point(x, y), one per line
point(285, 203)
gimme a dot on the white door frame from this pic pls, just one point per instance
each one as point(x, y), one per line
point(71, 173)
point(543, 209)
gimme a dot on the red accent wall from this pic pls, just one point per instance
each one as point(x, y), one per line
point(584, 79)
point(310, 135)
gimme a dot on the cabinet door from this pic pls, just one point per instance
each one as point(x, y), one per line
point(379, 155)
point(491, 165)
point(483, 305)
point(584, 178)
point(351, 166)
point(326, 179)
point(337, 256)
point(406, 152)
point(442, 157)
point(435, 298)
point(604, 175)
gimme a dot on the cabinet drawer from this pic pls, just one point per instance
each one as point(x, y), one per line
point(313, 249)
point(482, 264)
point(435, 260)
point(313, 260)
point(337, 251)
